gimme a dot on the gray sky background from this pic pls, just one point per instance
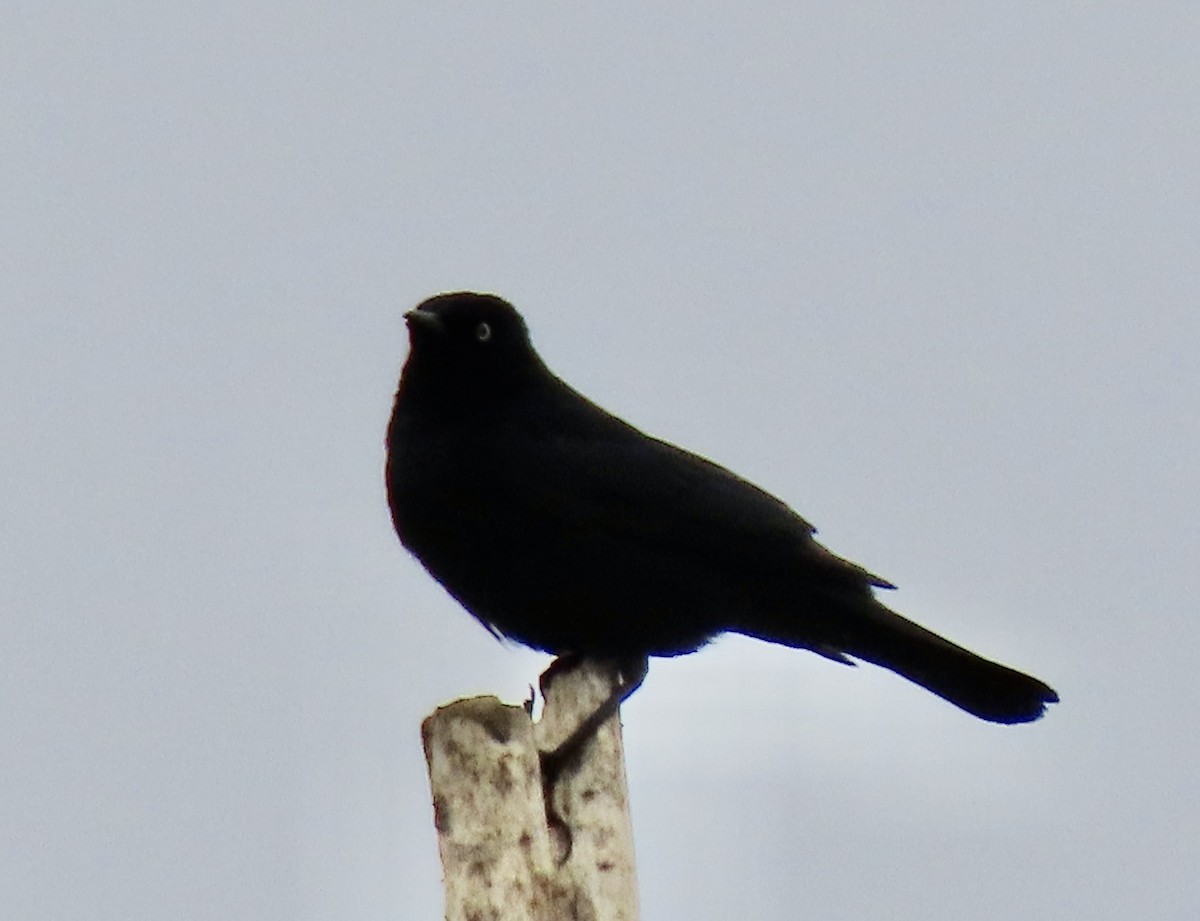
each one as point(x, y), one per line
point(928, 273)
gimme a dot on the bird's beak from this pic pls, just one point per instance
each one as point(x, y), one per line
point(423, 319)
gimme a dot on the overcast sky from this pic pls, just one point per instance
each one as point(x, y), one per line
point(928, 273)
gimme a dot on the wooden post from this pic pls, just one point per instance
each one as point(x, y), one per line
point(502, 857)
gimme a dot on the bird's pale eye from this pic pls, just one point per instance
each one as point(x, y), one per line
point(483, 332)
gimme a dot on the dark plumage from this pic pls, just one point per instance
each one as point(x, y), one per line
point(568, 530)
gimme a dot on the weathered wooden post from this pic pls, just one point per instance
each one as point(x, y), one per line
point(514, 848)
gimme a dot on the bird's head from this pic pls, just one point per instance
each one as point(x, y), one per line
point(467, 344)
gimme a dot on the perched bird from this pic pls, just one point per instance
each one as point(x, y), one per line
point(562, 527)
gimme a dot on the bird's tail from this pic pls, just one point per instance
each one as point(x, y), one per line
point(986, 689)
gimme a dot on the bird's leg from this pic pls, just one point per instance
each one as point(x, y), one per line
point(630, 672)
point(630, 675)
point(563, 663)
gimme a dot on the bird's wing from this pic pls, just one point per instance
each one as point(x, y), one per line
point(641, 491)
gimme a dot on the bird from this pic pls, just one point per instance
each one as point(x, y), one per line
point(564, 528)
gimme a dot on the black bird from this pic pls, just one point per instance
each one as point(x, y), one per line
point(560, 526)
